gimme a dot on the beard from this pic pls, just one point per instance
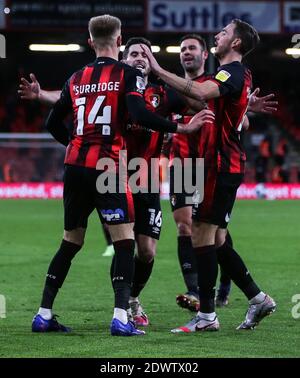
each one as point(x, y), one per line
point(222, 51)
point(193, 66)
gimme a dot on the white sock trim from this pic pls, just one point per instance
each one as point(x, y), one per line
point(260, 297)
point(46, 313)
point(207, 316)
point(121, 315)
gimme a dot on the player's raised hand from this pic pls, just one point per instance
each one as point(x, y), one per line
point(155, 67)
point(199, 119)
point(264, 104)
point(29, 91)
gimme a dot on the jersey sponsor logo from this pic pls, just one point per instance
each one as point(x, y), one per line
point(136, 127)
point(176, 117)
point(223, 76)
point(155, 100)
point(140, 84)
point(113, 215)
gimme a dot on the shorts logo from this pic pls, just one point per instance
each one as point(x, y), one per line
point(223, 76)
point(113, 215)
point(155, 100)
point(173, 200)
point(227, 218)
point(196, 198)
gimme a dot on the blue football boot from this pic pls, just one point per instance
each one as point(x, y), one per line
point(117, 328)
point(39, 324)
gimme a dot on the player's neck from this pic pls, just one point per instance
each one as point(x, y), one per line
point(194, 74)
point(230, 57)
point(107, 53)
point(146, 80)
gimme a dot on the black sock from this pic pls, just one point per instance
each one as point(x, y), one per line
point(123, 271)
point(187, 263)
point(142, 273)
point(107, 235)
point(57, 271)
point(234, 266)
point(207, 264)
point(112, 268)
point(228, 239)
point(224, 277)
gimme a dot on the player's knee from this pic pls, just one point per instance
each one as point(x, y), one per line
point(203, 234)
point(220, 237)
point(121, 231)
point(184, 229)
point(75, 236)
point(146, 253)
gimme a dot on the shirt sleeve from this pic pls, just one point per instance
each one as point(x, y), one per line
point(230, 79)
point(134, 81)
point(175, 102)
point(54, 122)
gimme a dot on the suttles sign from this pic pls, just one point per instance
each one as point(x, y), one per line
point(211, 16)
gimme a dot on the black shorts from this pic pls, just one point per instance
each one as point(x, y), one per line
point(81, 198)
point(218, 202)
point(148, 217)
point(179, 199)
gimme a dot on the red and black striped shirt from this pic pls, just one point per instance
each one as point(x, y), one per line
point(143, 142)
point(198, 145)
point(97, 95)
point(235, 82)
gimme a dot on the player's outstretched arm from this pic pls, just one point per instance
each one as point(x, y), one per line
point(198, 91)
point(32, 91)
point(265, 104)
point(246, 123)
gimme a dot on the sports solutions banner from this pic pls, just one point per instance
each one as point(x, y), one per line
point(49, 190)
point(211, 16)
point(72, 14)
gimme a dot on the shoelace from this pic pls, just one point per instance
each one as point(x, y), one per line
point(194, 320)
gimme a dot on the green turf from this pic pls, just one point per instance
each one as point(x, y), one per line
point(265, 233)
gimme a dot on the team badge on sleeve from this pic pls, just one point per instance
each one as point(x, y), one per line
point(223, 76)
point(140, 84)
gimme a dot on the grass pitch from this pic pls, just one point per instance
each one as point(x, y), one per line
point(266, 234)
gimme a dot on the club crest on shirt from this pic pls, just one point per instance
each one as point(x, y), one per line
point(155, 100)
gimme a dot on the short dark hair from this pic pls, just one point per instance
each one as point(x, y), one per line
point(198, 37)
point(135, 41)
point(103, 29)
point(248, 35)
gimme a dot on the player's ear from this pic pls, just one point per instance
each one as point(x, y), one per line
point(91, 43)
point(119, 41)
point(236, 43)
point(205, 54)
